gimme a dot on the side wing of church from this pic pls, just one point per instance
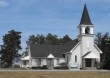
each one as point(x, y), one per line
point(81, 53)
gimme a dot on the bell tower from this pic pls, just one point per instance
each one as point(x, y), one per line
point(85, 27)
point(86, 32)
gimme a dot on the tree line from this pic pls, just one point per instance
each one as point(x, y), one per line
point(49, 39)
point(12, 40)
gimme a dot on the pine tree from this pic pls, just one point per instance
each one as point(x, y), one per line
point(10, 48)
point(66, 38)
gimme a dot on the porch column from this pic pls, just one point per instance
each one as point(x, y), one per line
point(21, 63)
point(83, 63)
point(93, 63)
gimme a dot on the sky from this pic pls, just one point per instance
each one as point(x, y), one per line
point(58, 17)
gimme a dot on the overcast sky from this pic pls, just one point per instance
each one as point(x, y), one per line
point(58, 17)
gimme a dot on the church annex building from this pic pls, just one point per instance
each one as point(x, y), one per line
point(81, 53)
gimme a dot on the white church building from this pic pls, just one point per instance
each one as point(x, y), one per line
point(81, 53)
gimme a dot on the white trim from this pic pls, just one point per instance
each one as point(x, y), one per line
point(30, 59)
point(84, 25)
point(25, 58)
point(98, 48)
point(50, 56)
point(66, 53)
point(87, 35)
point(91, 55)
point(75, 46)
point(38, 57)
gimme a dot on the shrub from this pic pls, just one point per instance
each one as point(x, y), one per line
point(40, 67)
point(35, 67)
point(44, 67)
point(62, 66)
point(16, 66)
point(58, 67)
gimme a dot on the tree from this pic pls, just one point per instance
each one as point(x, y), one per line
point(11, 47)
point(98, 39)
point(51, 39)
point(41, 39)
point(32, 39)
point(103, 42)
point(66, 38)
point(60, 41)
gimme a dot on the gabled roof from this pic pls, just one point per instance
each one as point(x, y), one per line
point(90, 55)
point(55, 50)
point(86, 54)
point(97, 48)
point(85, 20)
point(50, 56)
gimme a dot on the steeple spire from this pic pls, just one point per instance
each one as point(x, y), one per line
point(85, 20)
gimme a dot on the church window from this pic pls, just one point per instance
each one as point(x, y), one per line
point(58, 61)
point(87, 30)
point(67, 59)
point(75, 58)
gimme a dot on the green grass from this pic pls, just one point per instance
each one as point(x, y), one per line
point(29, 74)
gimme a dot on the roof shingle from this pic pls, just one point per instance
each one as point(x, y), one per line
point(55, 50)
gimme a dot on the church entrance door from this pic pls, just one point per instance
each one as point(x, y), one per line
point(50, 63)
point(88, 62)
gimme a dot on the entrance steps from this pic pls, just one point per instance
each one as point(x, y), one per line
point(90, 68)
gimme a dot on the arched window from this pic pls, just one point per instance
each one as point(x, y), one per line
point(87, 30)
point(75, 58)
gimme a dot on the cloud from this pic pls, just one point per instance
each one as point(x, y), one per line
point(3, 3)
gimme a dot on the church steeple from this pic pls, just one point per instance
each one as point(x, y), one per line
point(85, 20)
point(85, 27)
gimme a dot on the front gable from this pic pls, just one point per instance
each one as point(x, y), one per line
point(97, 48)
point(76, 53)
point(75, 47)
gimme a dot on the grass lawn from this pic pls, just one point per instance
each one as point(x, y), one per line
point(29, 74)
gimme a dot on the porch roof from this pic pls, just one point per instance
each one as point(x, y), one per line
point(25, 58)
point(90, 55)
